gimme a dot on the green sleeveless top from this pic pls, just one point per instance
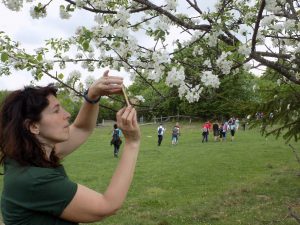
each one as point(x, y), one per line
point(35, 195)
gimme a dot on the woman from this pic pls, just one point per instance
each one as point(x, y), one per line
point(35, 135)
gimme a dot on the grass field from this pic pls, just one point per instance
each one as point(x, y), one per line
point(252, 180)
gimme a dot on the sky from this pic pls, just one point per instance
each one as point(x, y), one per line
point(31, 33)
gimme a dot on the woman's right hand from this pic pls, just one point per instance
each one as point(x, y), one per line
point(105, 85)
point(127, 122)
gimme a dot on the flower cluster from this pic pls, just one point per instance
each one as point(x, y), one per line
point(124, 36)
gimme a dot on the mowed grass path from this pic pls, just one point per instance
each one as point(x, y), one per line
point(251, 181)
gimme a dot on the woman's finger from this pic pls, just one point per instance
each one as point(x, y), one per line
point(124, 117)
point(105, 74)
point(134, 119)
point(131, 116)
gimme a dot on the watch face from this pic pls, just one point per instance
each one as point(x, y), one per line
point(125, 96)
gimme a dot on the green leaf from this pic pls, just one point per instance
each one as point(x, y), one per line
point(39, 57)
point(4, 57)
point(60, 76)
point(85, 45)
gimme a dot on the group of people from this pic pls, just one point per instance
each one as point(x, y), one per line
point(219, 130)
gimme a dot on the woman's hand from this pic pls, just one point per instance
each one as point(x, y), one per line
point(106, 85)
point(127, 122)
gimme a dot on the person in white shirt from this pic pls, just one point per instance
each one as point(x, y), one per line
point(160, 134)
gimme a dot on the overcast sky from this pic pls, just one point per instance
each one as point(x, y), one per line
point(31, 33)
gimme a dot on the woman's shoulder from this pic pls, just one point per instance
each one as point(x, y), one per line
point(12, 168)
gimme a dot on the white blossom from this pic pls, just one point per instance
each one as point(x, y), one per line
point(37, 14)
point(272, 6)
point(79, 3)
point(122, 32)
point(247, 66)
point(197, 51)
point(99, 18)
point(193, 94)
point(79, 55)
point(108, 30)
point(161, 24)
point(289, 24)
point(224, 64)
point(209, 79)
point(267, 20)
point(122, 16)
point(140, 98)
point(182, 90)
point(175, 77)
point(14, 5)
point(155, 74)
point(207, 63)
point(244, 50)
point(171, 4)
point(212, 39)
point(278, 82)
point(75, 74)
point(63, 13)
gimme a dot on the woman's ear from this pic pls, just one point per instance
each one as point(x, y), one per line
point(32, 127)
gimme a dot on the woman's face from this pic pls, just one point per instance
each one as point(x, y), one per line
point(54, 124)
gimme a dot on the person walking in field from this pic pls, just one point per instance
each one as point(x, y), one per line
point(175, 134)
point(224, 130)
point(216, 131)
point(160, 134)
point(116, 140)
point(205, 132)
point(231, 125)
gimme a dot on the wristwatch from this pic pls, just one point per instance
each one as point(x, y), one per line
point(86, 98)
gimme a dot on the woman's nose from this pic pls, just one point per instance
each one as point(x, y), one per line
point(67, 115)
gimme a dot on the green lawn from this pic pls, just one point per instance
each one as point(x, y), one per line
point(251, 181)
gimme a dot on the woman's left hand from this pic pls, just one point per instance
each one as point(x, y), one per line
point(106, 85)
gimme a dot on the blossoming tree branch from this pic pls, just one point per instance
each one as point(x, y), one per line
point(223, 40)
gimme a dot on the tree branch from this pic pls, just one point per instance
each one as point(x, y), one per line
point(256, 27)
point(275, 66)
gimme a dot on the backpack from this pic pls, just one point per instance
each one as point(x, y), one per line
point(116, 137)
point(160, 131)
point(175, 131)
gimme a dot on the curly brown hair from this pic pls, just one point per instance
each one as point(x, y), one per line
point(18, 111)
